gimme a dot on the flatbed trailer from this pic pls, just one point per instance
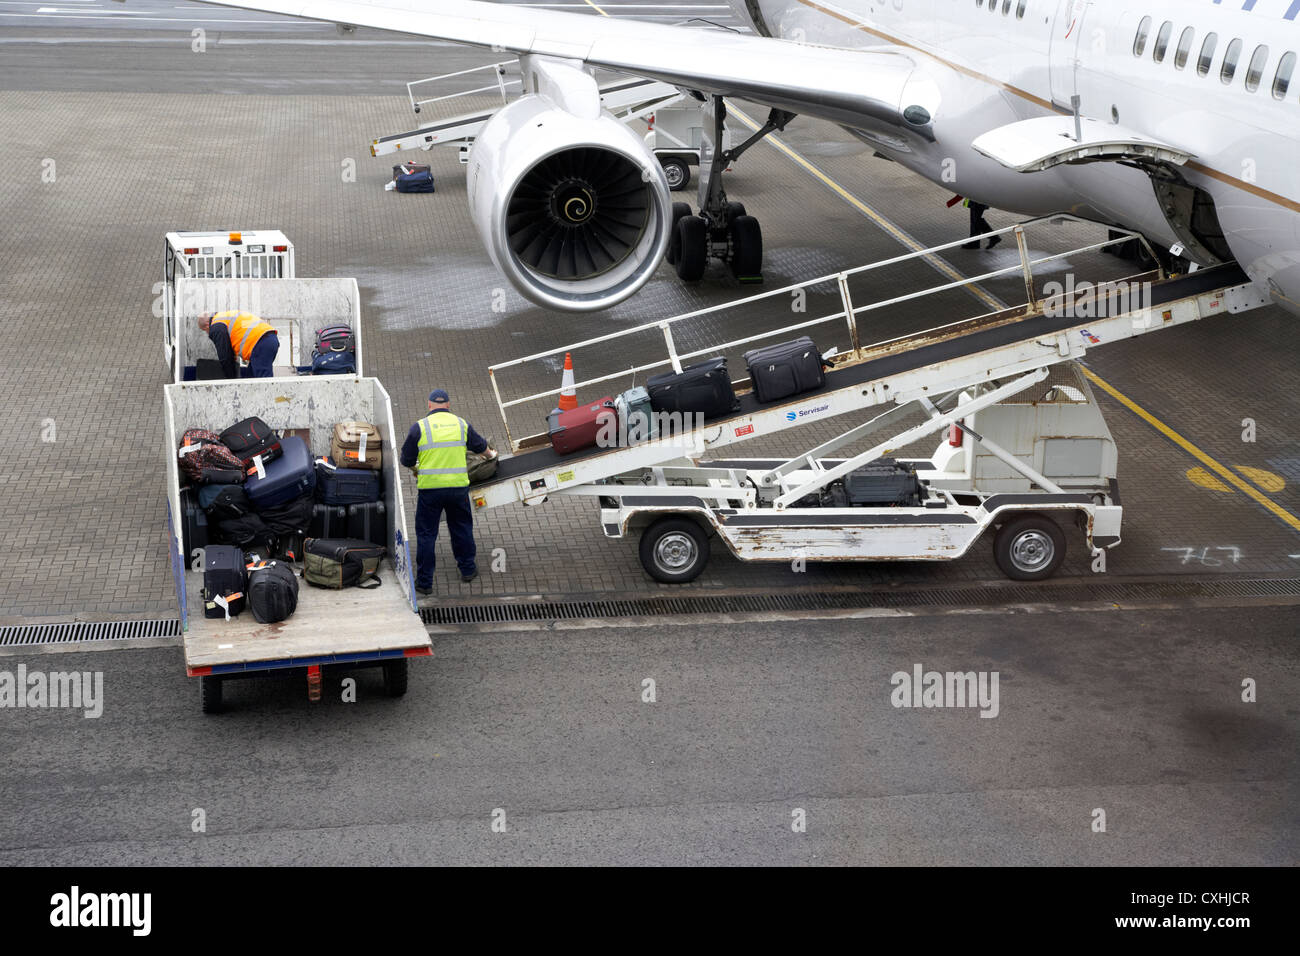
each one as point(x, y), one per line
point(351, 628)
point(674, 492)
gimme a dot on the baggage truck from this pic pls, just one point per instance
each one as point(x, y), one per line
point(350, 628)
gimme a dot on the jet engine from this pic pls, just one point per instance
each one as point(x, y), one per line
point(575, 210)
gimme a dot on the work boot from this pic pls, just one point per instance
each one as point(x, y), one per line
point(466, 578)
point(426, 591)
point(994, 241)
point(971, 245)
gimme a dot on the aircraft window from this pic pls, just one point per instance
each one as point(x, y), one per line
point(1256, 70)
point(1140, 41)
point(1184, 48)
point(1162, 41)
point(1207, 54)
point(1282, 80)
point(1230, 58)
point(1020, 9)
point(1006, 7)
point(980, 3)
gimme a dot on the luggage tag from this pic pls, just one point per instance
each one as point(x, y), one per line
point(361, 448)
point(188, 448)
point(258, 467)
point(224, 602)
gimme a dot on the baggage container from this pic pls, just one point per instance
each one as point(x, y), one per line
point(791, 368)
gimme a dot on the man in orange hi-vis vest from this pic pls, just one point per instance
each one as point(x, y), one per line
point(242, 335)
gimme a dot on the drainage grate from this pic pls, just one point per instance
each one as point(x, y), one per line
point(1118, 592)
point(74, 632)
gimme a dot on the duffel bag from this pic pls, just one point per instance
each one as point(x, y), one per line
point(201, 449)
point(292, 517)
point(272, 591)
point(482, 465)
point(221, 502)
point(341, 563)
point(248, 533)
point(333, 363)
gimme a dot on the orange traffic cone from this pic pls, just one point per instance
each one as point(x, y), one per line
point(568, 396)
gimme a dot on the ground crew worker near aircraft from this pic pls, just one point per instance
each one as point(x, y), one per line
point(242, 335)
point(435, 450)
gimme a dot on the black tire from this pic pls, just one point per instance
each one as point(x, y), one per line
point(210, 694)
point(746, 248)
point(677, 172)
point(735, 209)
point(395, 673)
point(692, 248)
point(1029, 548)
point(674, 550)
point(680, 211)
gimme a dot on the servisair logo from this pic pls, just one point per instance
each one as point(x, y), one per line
point(805, 412)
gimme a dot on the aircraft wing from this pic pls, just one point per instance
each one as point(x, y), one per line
point(844, 86)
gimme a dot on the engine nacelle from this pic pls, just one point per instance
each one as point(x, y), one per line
point(574, 210)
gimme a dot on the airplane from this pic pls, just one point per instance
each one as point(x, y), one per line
point(1176, 119)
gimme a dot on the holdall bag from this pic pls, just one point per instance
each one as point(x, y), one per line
point(356, 445)
point(636, 416)
point(367, 522)
point(272, 592)
point(580, 427)
point(333, 363)
point(328, 521)
point(341, 563)
point(345, 486)
point(883, 482)
point(194, 524)
point(224, 578)
point(221, 502)
point(248, 533)
point(288, 477)
point(413, 178)
point(704, 388)
point(292, 517)
point(221, 476)
point(250, 439)
point(199, 449)
point(791, 368)
point(482, 465)
point(335, 338)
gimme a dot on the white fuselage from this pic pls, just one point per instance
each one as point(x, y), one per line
point(988, 67)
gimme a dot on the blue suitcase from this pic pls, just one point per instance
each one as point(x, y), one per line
point(290, 476)
point(345, 486)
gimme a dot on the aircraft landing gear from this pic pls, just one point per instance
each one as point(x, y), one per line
point(722, 230)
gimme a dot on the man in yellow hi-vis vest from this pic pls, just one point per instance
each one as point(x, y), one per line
point(242, 335)
point(435, 450)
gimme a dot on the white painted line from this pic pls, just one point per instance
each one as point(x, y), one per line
point(66, 16)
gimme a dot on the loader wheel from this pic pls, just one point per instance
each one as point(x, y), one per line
point(210, 694)
point(677, 173)
point(395, 677)
point(692, 248)
point(680, 211)
point(1029, 548)
point(674, 550)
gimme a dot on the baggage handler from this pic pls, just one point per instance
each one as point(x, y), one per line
point(435, 451)
point(242, 335)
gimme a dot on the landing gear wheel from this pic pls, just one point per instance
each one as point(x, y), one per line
point(677, 173)
point(674, 550)
point(735, 209)
point(1029, 548)
point(680, 211)
point(210, 694)
point(395, 677)
point(692, 248)
point(746, 248)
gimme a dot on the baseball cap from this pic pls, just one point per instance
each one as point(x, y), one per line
point(439, 395)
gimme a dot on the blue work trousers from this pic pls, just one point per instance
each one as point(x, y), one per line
point(431, 504)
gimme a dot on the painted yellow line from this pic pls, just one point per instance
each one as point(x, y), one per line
point(903, 238)
point(596, 8)
point(1230, 476)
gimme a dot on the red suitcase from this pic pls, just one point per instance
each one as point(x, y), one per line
point(582, 427)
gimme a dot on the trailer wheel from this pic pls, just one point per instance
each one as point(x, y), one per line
point(395, 677)
point(680, 211)
point(677, 173)
point(674, 550)
point(1029, 548)
point(210, 694)
point(692, 248)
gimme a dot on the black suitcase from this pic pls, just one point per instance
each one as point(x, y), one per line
point(272, 592)
point(223, 576)
point(367, 522)
point(328, 521)
point(345, 486)
point(779, 371)
point(194, 525)
point(881, 483)
point(250, 438)
point(704, 388)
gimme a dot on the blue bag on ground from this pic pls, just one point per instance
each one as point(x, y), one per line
point(413, 178)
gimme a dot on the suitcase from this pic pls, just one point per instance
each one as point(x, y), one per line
point(883, 482)
point(328, 521)
point(290, 476)
point(272, 592)
point(584, 426)
point(221, 502)
point(292, 517)
point(779, 371)
point(348, 441)
point(636, 416)
point(223, 576)
point(250, 438)
point(194, 525)
point(413, 178)
point(345, 486)
point(201, 449)
point(336, 338)
point(703, 388)
point(367, 522)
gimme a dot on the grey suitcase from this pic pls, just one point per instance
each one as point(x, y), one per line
point(791, 368)
point(635, 416)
